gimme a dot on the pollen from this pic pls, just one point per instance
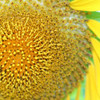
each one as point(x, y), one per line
point(44, 49)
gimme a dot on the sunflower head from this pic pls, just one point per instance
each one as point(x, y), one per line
point(44, 49)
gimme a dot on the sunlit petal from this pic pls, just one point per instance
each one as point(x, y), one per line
point(78, 92)
point(87, 94)
point(97, 71)
point(91, 91)
point(68, 97)
point(86, 5)
point(94, 26)
point(96, 46)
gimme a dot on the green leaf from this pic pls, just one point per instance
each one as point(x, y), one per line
point(93, 15)
point(70, 0)
point(82, 93)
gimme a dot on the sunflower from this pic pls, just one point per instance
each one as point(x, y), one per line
point(49, 49)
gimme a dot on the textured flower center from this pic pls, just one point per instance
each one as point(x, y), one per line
point(43, 49)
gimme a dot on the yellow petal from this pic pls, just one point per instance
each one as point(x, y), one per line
point(97, 71)
point(78, 92)
point(91, 91)
point(86, 5)
point(92, 83)
point(94, 26)
point(68, 98)
point(96, 46)
point(87, 90)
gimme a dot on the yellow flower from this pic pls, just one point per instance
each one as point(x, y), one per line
point(45, 49)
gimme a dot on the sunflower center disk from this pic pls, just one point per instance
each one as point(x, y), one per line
point(42, 55)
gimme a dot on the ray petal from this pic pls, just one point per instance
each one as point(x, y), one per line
point(87, 93)
point(94, 26)
point(91, 91)
point(97, 71)
point(86, 5)
point(96, 46)
point(78, 92)
point(68, 97)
